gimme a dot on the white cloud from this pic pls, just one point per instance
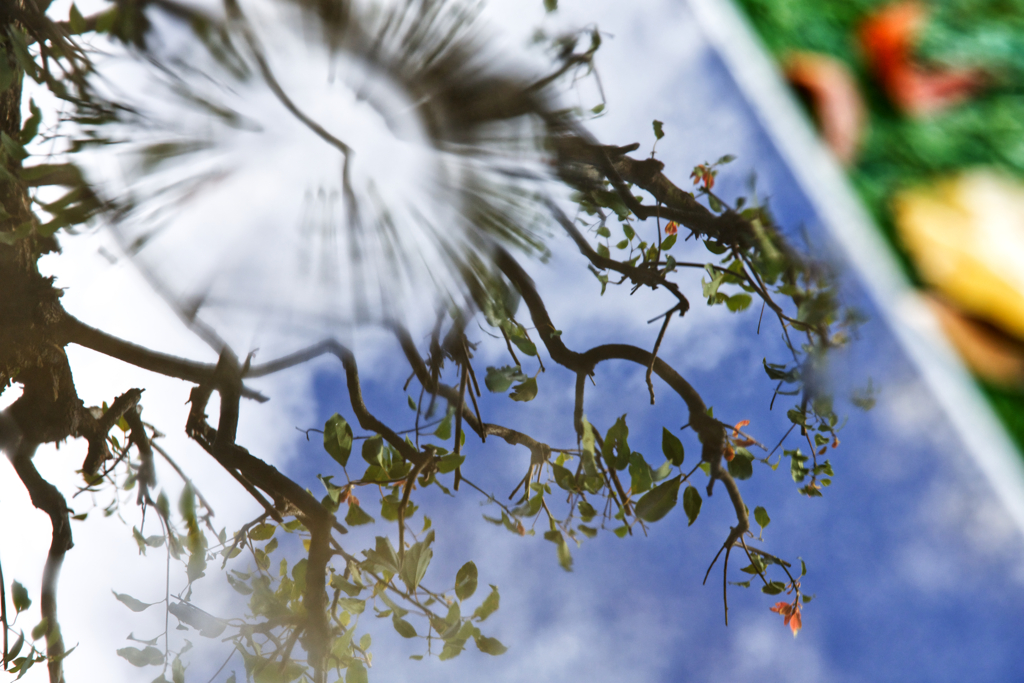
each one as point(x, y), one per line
point(763, 650)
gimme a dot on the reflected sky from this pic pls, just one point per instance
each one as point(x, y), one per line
point(916, 569)
point(915, 566)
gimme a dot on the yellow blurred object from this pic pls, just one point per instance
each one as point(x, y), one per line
point(965, 236)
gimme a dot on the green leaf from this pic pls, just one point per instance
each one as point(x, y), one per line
point(208, 625)
point(19, 594)
point(490, 646)
point(465, 581)
point(489, 606)
point(604, 231)
point(761, 516)
point(373, 450)
point(728, 158)
point(151, 656)
point(399, 468)
point(773, 588)
point(616, 440)
point(403, 627)
point(713, 202)
point(444, 430)
point(451, 650)
point(550, 5)
point(640, 473)
point(669, 242)
point(177, 671)
point(338, 439)
point(531, 507)
point(656, 503)
point(498, 380)
point(741, 466)
point(133, 604)
point(357, 516)
point(449, 463)
point(352, 605)
point(597, 109)
point(452, 621)
point(564, 556)
point(524, 344)
point(391, 604)
point(592, 484)
point(239, 586)
point(76, 21)
point(16, 648)
point(738, 302)
point(340, 583)
point(39, 630)
point(587, 511)
point(659, 131)
point(797, 417)
point(527, 391)
point(415, 563)
point(563, 477)
point(589, 532)
point(31, 127)
point(663, 471)
point(710, 289)
point(262, 532)
point(672, 447)
point(356, 672)
point(778, 371)
point(691, 504)
point(716, 247)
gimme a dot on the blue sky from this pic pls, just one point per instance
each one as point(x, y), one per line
point(916, 568)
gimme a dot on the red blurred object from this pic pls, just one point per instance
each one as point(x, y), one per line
point(834, 98)
point(888, 39)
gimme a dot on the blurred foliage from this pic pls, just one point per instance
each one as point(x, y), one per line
point(902, 151)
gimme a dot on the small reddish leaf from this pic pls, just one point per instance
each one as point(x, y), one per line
point(794, 621)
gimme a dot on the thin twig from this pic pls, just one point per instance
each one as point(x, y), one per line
point(654, 353)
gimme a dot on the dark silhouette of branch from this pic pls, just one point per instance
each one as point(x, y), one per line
point(47, 498)
point(70, 330)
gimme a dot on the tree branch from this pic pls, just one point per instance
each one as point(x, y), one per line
point(70, 330)
point(47, 498)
